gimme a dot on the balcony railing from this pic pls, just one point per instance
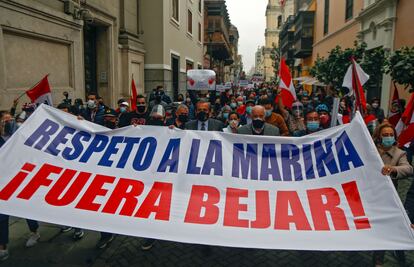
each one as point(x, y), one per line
point(303, 39)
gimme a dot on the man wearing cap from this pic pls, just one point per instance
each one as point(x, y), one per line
point(258, 126)
point(110, 119)
point(203, 121)
point(123, 117)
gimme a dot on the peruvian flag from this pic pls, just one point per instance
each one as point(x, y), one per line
point(394, 114)
point(405, 127)
point(354, 79)
point(134, 95)
point(288, 92)
point(40, 93)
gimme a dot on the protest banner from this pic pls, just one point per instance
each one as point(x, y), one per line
point(319, 192)
point(200, 80)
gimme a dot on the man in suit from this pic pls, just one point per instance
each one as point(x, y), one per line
point(203, 121)
point(258, 126)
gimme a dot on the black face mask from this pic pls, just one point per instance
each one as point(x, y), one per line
point(158, 99)
point(258, 124)
point(110, 124)
point(141, 109)
point(156, 122)
point(183, 118)
point(202, 116)
point(9, 128)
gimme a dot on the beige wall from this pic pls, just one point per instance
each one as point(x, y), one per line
point(37, 38)
point(341, 32)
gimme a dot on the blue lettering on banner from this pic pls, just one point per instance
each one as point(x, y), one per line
point(214, 159)
point(245, 159)
point(145, 154)
point(171, 157)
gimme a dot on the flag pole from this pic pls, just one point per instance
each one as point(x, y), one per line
point(20, 96)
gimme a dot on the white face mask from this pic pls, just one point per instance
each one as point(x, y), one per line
point(91, 104)
point(375, 105)
point(234, 123)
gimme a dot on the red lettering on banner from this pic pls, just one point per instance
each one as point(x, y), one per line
point(233, 207)
point(284, 200)
point(355, 203)
point(54, 197)
point(262, 211)
point(41, 178)
point(319, 208)
point(126, 189)
point(163, 192)
point(16, 181)
point(95, 189)
point(197, 204)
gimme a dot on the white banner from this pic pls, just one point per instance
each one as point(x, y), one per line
point(201, 80)
point(319, 192)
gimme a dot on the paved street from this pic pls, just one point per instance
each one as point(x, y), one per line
point(58, 250)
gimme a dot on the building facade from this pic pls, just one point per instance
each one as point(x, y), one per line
point(173, 37)
point(259, 61)
point(273, 14)
point(84, 46)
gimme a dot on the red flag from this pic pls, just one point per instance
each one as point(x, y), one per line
point(134, 95)
point(354, 79)
point(394, 114)
point(405, 127)
point(288, 92)
point(41, 93)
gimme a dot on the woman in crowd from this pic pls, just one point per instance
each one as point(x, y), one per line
point(233, 123)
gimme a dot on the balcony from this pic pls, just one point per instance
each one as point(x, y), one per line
point(286, 39)
point(303, 38)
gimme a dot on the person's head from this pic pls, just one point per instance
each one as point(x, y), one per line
point(297, 110)
point(160, 89)
point(110, 119)
point(124, 107)
point(225, 111)
point(312, 121)
point(7, 124)
point(100, 100)
point(92, 101)
point(234, 120)
point(258, 117)
point(324, 116)
point(386, 135)
point(141, 104)
point(267, 104)
point(249, 107)
point(305, 100)
point(233, 103)
point(182, 113)
point(64, 107)
point(375, 103)
point(239, 100)
point(180, 98)
point(203, 110)
point(157, 116)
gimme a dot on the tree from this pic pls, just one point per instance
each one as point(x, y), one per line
point(400, 65)
point(275, 56)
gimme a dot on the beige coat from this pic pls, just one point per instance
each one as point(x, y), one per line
point(397, 158)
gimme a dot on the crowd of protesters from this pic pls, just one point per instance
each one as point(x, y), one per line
point(257, 111)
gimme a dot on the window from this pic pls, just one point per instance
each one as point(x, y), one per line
point(279, 21)
point(200, 5)
point(326, 18)
point(349, 9)
point(175, 10)
point(189, 65)
point(199, 32)
point(190, 22)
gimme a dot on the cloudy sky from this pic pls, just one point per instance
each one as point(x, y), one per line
point(249, 18)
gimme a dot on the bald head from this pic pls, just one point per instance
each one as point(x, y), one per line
point(258, 112)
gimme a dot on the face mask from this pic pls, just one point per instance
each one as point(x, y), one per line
point(123, 109)
point(91, 104)
point(324, 119)
point(375, 105)
point(258, 124)
point(234, 123)
point(141, 109)
point(183, 118)
point(312, 126)
point(9, 128)
point(249, 110)
point(388, 141)
point(269, 113)
point(156, 122)
point(225, 116)
point(110, 124)
point(202, 116)
point(240, 103)
point(233, 105)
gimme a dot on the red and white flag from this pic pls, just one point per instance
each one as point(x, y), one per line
point(41, 93)
point(288, 92)
point(134, 95)
point(354, 79)
point(405, 127)
point(394, 114)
